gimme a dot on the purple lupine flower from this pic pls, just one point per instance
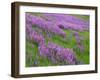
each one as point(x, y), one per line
point(79, 40)
point(37, 37)
point(45, 25)
point(81, 47)
point(71, 26)
point(63, 53)
point(65, 17)
point(67, 21)
point(33, 35)
point(77, 37)
point(69, 56)
point(44, 51)
point(28, 30)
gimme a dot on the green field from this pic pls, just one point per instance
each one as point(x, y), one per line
point(32, 54)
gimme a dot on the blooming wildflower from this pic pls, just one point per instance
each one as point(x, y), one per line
point(63, 53)
point(45, 25)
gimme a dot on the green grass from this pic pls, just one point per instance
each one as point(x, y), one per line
point(83, 17)
point(71, 43)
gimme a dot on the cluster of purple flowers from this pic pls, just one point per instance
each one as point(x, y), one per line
point(33, 35)
point(57, 53)
point(45, 25)
point(44, 51)
point(78, 39)
point(61, 53)
point(54, 23)
point(65, 17)
point(67, 21)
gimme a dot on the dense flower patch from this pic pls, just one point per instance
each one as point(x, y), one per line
point(43, 29)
